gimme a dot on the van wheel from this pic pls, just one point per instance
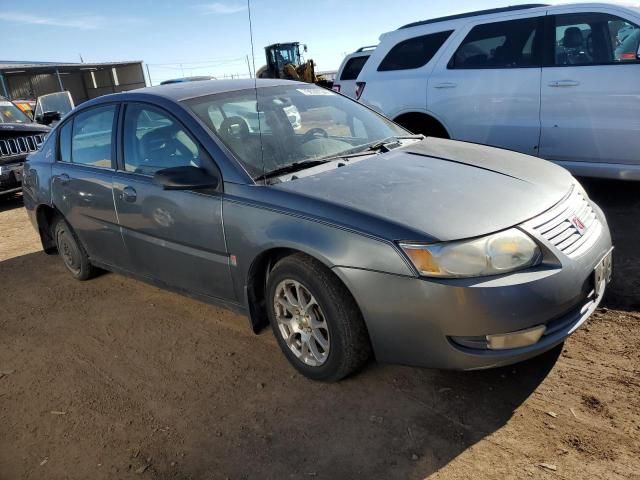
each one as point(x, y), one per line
point(72, 252)
point(315, 320)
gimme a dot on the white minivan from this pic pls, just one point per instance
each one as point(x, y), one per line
point(559, 82)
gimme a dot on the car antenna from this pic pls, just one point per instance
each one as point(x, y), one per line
point(255, 88)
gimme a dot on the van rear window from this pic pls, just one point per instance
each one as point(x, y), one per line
point(353, 67)
point(414, 53)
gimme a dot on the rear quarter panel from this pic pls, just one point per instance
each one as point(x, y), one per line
point(36, 183)
point(400, 91)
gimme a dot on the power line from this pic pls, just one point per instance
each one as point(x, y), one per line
point(226, 60)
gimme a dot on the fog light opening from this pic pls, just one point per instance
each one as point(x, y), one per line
point(519, 339)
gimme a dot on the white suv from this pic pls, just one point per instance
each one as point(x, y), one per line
point(349, 70)
point(559, 82)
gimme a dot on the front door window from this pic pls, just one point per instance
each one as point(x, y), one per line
point(153, 141)
point(594, 39)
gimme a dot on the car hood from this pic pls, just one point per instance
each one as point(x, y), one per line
point(441, 189)
point(17, 128)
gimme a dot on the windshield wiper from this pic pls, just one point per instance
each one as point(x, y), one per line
point(377, 146)
point(293, 167)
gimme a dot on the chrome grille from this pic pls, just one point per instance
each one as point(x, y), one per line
point(21, 145)
point(572, 225)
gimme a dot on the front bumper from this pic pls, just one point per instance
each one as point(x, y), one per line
point(413, 321)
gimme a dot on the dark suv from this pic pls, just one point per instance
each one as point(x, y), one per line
point(19, 136)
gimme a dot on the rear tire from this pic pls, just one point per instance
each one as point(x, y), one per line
point(73, 255)
point(321, 330)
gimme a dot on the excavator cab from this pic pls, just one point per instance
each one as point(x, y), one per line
point(280, 55)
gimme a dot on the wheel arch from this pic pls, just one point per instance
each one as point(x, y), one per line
point(46, 216)
point(258, 275)
point(422, 123)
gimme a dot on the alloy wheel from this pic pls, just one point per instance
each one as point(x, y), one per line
point(301, 322)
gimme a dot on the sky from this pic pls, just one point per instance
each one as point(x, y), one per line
point(200, 37)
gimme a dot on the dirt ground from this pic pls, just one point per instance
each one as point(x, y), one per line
point(113, 378)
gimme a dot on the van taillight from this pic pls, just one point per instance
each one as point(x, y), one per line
point(336, 88)
point(360, 89)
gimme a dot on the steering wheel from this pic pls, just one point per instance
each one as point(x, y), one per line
point(234, 128)
point(313, 133)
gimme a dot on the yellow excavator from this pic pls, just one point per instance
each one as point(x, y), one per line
point(285, 61)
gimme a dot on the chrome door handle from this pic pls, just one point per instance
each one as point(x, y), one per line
point(129, 194)
point(564, 83)
point(446, 85)
point(64, 179)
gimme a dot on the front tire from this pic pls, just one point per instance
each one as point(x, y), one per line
point(73, 255)
point(315, 320)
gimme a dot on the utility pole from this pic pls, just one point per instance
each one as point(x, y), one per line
point(59, 81)
point(149, 75)
point(4, 87)
point(249, 67)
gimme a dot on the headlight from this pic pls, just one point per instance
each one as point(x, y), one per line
point(491, 255)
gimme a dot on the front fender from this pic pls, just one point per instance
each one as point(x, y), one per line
point(252, 229)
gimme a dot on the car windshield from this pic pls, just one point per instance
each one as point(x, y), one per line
point(60, 102)
point(294, 123)
point(9, 113)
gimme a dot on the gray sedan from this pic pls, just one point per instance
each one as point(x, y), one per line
point(347, 234)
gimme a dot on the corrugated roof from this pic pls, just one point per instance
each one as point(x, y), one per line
point(17, 65)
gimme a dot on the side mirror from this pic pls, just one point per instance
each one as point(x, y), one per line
point(47, 118)
point(185, 178)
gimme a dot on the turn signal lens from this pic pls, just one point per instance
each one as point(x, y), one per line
point(422, 259)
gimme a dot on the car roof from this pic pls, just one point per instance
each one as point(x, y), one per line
point(185, 90)
point(497, 12)
point(453, 22)
point(476, 13)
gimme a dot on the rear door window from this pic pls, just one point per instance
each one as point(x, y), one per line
point(510, 44)
point(92, 138)
point(64, 142)
point(353, 67)
point(413, 53)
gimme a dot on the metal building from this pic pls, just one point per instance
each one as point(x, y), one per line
point(28, 80)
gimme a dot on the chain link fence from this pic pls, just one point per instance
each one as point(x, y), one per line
point(240, 67)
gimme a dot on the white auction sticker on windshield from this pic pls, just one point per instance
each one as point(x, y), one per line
point(6, 104)
point(314, 91)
